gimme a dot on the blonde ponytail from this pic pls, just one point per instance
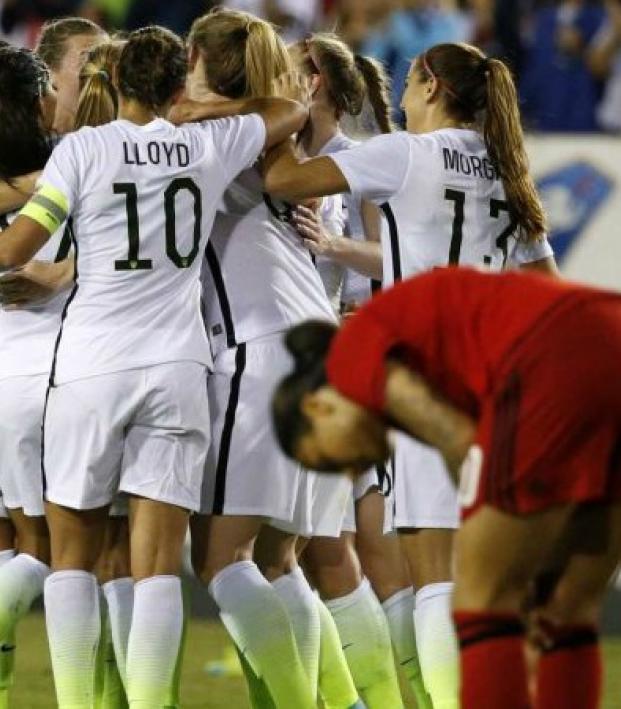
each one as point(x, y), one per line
point(266, 58)
point(504, 139)
point(98, 100)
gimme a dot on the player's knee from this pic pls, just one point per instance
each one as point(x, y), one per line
point(490, 591)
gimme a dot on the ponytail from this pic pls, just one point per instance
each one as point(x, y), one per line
point(378, 91)
point(504, 139)
point(481, 91)
point(242, 54)
point(98, 100)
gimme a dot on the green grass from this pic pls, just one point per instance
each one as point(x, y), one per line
point(206, 641)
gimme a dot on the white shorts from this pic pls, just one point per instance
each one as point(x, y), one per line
point(144, 432)
point(23, 399)
point(331, 498)
point(3, 510)
point(362, 484)
point(246, 472)
point(425, 496)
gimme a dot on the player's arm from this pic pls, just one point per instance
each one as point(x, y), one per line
point(412, 404)
point(365, 257)
point(41, 216)
point(545, 265)
point(36, 282)
point(18, 192)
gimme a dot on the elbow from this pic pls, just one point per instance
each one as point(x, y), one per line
point(280, 187)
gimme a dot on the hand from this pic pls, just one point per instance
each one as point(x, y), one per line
point(34, 283)
point(314, 235)
point(293, 86)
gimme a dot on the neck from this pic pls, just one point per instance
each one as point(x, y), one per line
point(433, 123)
point(321, 128)
point(135, 112)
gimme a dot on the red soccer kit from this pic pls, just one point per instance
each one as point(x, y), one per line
point(535, 360)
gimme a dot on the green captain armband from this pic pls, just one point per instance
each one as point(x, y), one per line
point(48, 207)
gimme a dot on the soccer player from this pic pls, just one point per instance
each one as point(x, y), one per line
point(513, 378)
point(455, 188)
point(27, 109)
point(258, 279)
point(343, 83)
point(127, 405)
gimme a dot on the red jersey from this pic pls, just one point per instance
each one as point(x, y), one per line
point(459, 328)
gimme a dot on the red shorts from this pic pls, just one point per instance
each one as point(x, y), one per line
point(550, 431)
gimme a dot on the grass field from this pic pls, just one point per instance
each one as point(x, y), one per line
point(206, 641)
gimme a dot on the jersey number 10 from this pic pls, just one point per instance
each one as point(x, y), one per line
point(133, 262)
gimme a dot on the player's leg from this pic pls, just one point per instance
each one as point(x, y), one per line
point(113, 572)
point(7, 657)
point(275, 554)
point(386, 568)
point(570, 668)
point(497, 557)
point(426, 516)
point(334, 566)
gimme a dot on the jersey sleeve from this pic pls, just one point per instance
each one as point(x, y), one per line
point(529, 251)
point(56, 191)
point(376, 169)
point(238, 141)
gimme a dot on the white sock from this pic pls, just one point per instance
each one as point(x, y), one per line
point(119, 595)
point(21, 581)
point(73, 626)
point(154, 639)
point(399, 610)
point(6, 555)
point(437, 644)
point(259, 624)
point(299, 599)
point(365, 636)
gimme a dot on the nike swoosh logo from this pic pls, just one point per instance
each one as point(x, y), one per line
point(7, 648)
point(346, 646)
point(405, 662)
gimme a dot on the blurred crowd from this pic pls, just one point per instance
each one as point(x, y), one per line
point(566, 54)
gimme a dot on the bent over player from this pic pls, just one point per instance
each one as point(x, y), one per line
point(514, 378)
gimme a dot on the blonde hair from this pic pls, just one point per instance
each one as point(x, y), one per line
point(242, 53)
point(349, 78)
point(98, 100)
point(478, 89)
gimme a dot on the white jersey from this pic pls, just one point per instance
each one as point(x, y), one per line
point(259, 278)
point(356, 287)
point(442, 198)
point(332, 273)
point(143, 200)
point(28, 335)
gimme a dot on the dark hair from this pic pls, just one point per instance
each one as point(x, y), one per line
point(51, 45)
point(153, 66)
point(349, 78)
point(474, 86)
point(308, 344)
point(25, 145)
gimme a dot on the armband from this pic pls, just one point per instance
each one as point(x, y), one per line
point(48, 207)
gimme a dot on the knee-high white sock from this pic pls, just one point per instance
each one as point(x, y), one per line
point(299, 600)
point(399, 610)
point(109, 691)
point(365, 637)
point(73, 625)
point(437, 644)
point(154, 640)
point(119, 595)
point(21, 581)
point(6, 555)
point(259, 624)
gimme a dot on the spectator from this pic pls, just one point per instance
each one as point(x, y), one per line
point(410, 31)
point(559, 91)
point(295, 18)
point(605, 62)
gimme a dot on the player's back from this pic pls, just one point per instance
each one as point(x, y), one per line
point(142, 199)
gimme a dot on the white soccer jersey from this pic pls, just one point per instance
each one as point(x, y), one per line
point(143, 200)
point(332, 273)
point(356, 287)
point(259, 278)
point(28, 335)
point(442, 198)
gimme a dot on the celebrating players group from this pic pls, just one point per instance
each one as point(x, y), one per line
point(204, 331)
